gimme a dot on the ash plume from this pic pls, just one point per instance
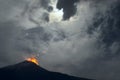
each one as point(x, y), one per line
point(87, 46)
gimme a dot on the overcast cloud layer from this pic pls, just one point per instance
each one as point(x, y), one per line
point(84, 43)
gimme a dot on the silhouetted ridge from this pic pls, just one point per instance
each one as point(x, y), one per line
point(29, 71)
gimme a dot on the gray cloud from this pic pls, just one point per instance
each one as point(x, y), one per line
point(8, 33)
point(108, 24)
point(37, 11)
point(87, 46)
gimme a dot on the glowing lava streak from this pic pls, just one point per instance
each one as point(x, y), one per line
point(33, 59)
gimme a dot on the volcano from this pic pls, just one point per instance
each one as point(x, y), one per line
point(30, 71)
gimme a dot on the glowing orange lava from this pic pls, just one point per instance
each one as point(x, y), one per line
point(33, 59)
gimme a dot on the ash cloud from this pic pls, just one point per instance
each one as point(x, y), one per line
point(87, 47)
point(16, 39)
point(37, 11)
point(108, 24)
point(69, 8)
point(18, 42)
point(36, 40)
point(8, 34)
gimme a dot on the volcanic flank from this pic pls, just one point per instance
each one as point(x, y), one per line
point(30, 70)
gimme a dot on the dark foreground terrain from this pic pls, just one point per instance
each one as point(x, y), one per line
point(30, 71)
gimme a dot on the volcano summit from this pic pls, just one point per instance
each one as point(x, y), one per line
point(30, 71)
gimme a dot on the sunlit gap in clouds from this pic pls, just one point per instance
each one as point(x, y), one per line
point(56, 14)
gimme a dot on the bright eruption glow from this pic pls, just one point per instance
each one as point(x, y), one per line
point(33, 60)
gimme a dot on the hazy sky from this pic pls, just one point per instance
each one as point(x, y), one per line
point(76, 37)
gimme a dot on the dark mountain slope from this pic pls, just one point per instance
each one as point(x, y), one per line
point(30, 71)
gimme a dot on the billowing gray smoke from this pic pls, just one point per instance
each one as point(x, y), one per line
point(86, 45)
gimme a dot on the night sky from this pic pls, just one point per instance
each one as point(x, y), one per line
point(76, 37)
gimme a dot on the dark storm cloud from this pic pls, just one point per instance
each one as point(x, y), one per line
point(109, 25)
point(69, 8)
point(104, 65)
point(111, 31)
point(92, 54)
